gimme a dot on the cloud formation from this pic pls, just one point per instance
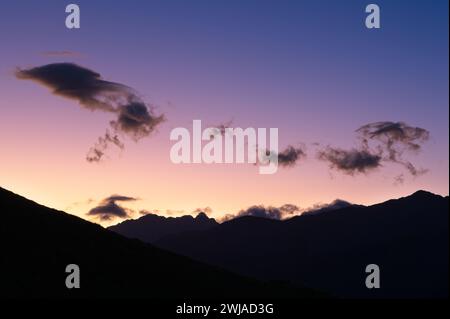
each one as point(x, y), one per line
point(350, 161)
point(378, 142)
point(286, 211)
point(135, 118)
point(393, 139)
point(290, 156)
point(97, 151)
point(108, 209)
point(271, 212)
point(395, 135)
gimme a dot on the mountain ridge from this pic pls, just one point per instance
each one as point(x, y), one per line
point(152, 227)
point(407, 237)
point(39, 242)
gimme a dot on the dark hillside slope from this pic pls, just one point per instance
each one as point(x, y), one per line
point(37, 243)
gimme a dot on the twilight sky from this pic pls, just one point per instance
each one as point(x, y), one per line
point(309, 68)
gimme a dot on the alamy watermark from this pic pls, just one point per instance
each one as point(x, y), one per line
point(72, 21)
point(226, 145)
point(73, 277)
point(373, 277)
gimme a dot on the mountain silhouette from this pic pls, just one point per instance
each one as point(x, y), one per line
point(407, 238)
point(151, 227)
point(37, 243)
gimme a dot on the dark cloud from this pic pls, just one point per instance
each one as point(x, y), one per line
point(379, 142)
point(395, 135)
point(261, 211)
point(265, 212)
point(350, 161)
point(108, 208)
point(78, 83)
point(290, 156)
point(135, 118)
point(120, 198)
point(286, 211)
point(393, 139)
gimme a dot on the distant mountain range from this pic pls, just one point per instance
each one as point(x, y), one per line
point(328, 250)
point(150, 228)
point(37, 243)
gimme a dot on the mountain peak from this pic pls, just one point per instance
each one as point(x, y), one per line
point(423, 194)
point(151, 227)
point(202, 217)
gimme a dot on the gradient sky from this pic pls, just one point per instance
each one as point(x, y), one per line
point(310, 68)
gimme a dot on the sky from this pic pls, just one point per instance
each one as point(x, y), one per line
point(309, 68)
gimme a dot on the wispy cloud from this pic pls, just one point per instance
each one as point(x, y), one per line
point(265, 212)
point(393, 139)
point(379, 142)
point(291, 155)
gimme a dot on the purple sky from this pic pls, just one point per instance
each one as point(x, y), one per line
point(309, 68)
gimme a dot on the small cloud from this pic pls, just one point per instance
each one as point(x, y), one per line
point(380, 142)
point(108, 209)
point(350, 161)
point(393, 139)
point(270, 212)
point(290, 156)
point(395, 134)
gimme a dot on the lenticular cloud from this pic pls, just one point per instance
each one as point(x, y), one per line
point(134, 118)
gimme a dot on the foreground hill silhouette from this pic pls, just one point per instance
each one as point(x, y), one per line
point(38, 242)
point(407, 238)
